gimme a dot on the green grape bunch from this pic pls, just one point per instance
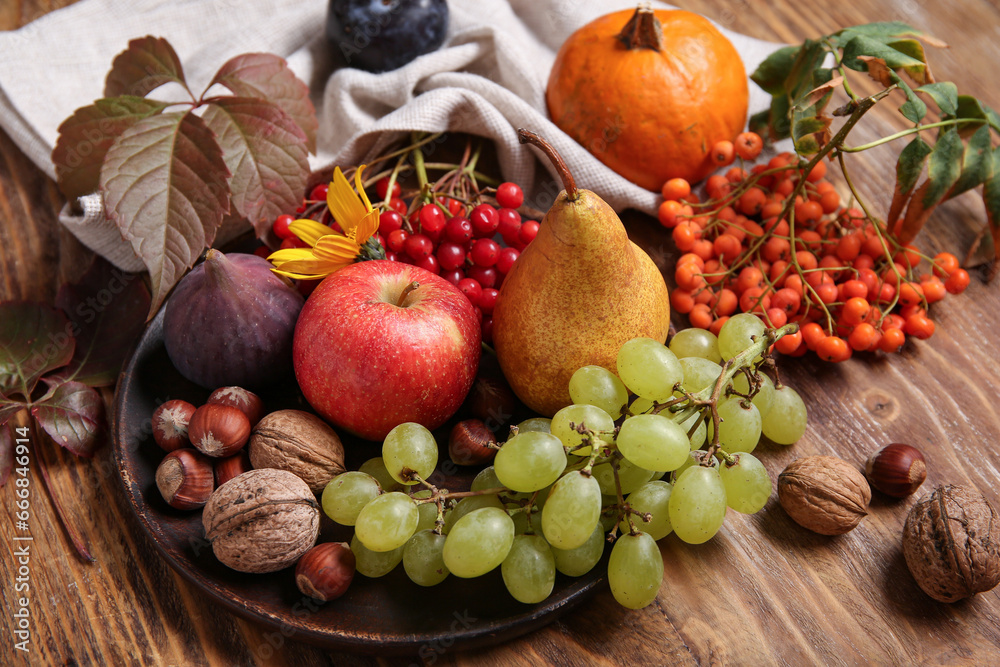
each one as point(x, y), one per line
point(662, 445)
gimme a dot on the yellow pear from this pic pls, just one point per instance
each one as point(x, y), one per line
point(577, 293)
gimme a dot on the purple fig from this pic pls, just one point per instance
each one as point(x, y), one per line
point(229, 322)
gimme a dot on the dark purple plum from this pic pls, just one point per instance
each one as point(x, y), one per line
point(382, 35)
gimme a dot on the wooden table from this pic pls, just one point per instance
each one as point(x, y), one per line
point(763, 591)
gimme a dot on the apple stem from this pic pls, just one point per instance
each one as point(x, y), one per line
point(569, 184)
point(406, 292)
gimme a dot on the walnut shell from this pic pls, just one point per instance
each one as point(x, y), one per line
point(951, 542)
point(825, 494)
point(300, 443)
point(261, 521)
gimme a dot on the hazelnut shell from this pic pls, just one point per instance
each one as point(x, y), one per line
point(896, 470)
point(218, 430)
point(185, 479)
point(170, 424)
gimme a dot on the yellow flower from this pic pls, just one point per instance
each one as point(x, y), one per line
point(328, 251)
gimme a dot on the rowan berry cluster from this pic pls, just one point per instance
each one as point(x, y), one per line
point(775, 240)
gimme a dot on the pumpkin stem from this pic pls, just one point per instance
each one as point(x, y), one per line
point(643, 31)
point(569, 185)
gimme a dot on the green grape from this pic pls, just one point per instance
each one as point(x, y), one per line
point(486, 479)
point(694, 458)
point(581, 560)
point(739, 430)
point(597, 386)
point(748, 486)
point(346, 494)
point(376, 468)
point(521, 521)
point(699, 373)
point(640, 406)
point(374, 563)
point(540, 424)
point(653, 442)
point(409, 447)
point(700, 433)
point(630, 476)
point(697, 505)
point(734, 336)
point(466, 505)
point(590, 416)
point(478, 542)
point(763, 398)
point(426, 512)
point(530, 461)
point(572, 510)
point(635, 570)
point(786, 420)
point(387, 521)
point(423, 559)
point(695, 342)
point(648, 368)
point(651, 497)
point(529, 570)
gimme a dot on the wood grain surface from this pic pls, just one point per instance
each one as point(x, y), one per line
point(763, 592)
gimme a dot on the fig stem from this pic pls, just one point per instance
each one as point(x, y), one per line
point(569, 185)
point(643, 31)
point(406, 292)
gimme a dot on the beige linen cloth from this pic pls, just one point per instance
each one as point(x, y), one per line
point(488, 79)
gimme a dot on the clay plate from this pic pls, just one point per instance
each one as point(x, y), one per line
point(386, 615)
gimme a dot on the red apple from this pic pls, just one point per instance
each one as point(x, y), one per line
point(371, 352)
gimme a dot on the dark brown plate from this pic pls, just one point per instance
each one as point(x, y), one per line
point(386, 615)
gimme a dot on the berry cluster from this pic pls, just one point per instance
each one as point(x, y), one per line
point(471, 243)
point(774, 240)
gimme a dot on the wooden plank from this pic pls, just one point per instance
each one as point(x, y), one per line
point(763, 592)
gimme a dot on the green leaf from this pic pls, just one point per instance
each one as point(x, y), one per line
point(991, 193)
point(6, 452)
point(944, 167)
point(107, 311)
point(884, 31)
point(166, 186)
point(84, 139)
point(911, 163)
point(760, 122)
point(971, 108)
point(992, 117)
point(34, 340)
point(781, 123)
point(862, 45)
point(944, 94)
point(914, 109)
point(73, 416)
point(772, 73)
point(977, 165)
point(266, 152)
point(811, 125)
point(267, 76)
point(147, 63)
point(911, 47)
point(802, 78)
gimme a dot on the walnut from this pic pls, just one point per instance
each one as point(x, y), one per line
point(261, 521)
point(951, 542)
point(825, 494)
point(300, 443)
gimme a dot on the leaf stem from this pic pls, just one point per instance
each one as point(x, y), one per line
point(904, 133)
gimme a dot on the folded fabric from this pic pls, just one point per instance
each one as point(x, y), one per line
point(488, 79)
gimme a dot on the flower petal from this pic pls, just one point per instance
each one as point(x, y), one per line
point(336, 248)
point(345, 205)
point(289, 255)
point(309, 231)
point(366, 228)
point(359, 186)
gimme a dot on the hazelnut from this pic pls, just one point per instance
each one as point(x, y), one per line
point(325, 571)
point(170, 424)
point(300, 443)
point(248, 402)
point(951, 543)
point(896, 470)
point(825, 494)
point(218, 430)
point(231, 466)
point(471, 443)
point(184, 478)
point(261, 521)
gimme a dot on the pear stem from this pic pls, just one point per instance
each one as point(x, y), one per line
point(569, 185)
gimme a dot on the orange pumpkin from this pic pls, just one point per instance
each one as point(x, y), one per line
point(649, 95)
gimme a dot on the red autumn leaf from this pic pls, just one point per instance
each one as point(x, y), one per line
point(73, 416)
